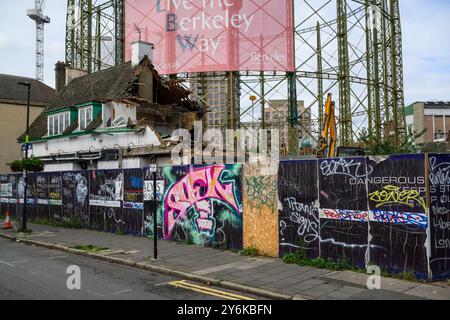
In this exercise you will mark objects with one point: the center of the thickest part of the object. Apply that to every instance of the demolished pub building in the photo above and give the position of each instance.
(118, 118)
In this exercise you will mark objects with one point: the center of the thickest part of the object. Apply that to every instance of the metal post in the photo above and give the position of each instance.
(263, 101)
(345, 111)
(386, 74)
(319, 77)
(292, 95)
(398, 101)
(369, 62)
(377, 84)
(89, 37)
(98, 42)
(25, 172)
(155, 218)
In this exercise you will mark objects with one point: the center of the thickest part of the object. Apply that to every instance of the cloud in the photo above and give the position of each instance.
(18, 38)
(426, 49)
(5, 41)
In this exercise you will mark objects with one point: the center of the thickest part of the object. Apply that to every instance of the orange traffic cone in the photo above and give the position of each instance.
(8, 224)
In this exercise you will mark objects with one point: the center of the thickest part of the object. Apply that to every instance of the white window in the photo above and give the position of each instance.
(58, 123)
(120, 122)
(85, 117)
(51, 131)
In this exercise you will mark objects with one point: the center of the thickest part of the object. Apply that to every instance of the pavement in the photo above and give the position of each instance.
(259, 276)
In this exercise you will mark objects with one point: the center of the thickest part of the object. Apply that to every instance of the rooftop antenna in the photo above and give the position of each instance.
(37, 15)
(138, 30)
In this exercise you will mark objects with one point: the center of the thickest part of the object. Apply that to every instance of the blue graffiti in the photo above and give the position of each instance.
(417, 219)
(137, 183)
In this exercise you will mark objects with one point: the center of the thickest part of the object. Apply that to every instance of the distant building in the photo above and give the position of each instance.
(122, 117)
(277, 117)
(13, 113)
(434, 117)
(214, 91)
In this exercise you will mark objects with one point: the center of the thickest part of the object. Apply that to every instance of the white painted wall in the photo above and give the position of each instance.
(55, 167)
(132, 163)
(437, 112)
(95, 143)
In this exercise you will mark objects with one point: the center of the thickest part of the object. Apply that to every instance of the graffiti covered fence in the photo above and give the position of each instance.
(369, 211)
(196, 204)
(299, 208)
(439, 177)
(392, 212)
(398, 213)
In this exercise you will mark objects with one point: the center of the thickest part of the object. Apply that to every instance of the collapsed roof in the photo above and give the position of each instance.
(119, 83)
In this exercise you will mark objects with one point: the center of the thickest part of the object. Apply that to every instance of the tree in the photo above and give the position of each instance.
(31, 165)
(385, 146)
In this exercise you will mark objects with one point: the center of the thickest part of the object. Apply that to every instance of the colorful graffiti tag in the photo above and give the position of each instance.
(398, 218)
(395, 195)
(205, 203)
(344, 215)
(398, 214)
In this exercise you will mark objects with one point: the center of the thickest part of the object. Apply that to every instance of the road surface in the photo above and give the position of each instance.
(34, 273)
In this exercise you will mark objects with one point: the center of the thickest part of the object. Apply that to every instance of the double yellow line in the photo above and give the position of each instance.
(208, 291)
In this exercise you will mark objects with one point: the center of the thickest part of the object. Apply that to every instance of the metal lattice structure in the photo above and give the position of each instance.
(94, 34)
(350, 48)
(38, 16)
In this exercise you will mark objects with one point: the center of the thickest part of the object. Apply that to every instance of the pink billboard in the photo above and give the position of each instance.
(213, 35)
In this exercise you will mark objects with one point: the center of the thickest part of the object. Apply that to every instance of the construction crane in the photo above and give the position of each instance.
(37, 15)
(327, 141)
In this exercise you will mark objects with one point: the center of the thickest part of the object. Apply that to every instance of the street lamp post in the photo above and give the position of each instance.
(253, 99)
(25, 172)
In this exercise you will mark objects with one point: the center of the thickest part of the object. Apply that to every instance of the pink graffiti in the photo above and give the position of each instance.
(194, 188)
(345, 215)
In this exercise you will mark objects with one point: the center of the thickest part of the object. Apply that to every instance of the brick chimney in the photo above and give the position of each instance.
(60, 76)
(72, 74)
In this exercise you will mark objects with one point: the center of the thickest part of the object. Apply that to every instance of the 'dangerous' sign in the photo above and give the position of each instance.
(213, 35)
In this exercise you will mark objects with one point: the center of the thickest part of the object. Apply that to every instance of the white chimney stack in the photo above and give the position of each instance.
(139, 50)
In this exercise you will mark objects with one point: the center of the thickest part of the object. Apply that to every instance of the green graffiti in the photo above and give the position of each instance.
(228, 216)
(235, 169)
(261, 190)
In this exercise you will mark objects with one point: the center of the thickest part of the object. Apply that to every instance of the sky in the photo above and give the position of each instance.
(426, 44)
